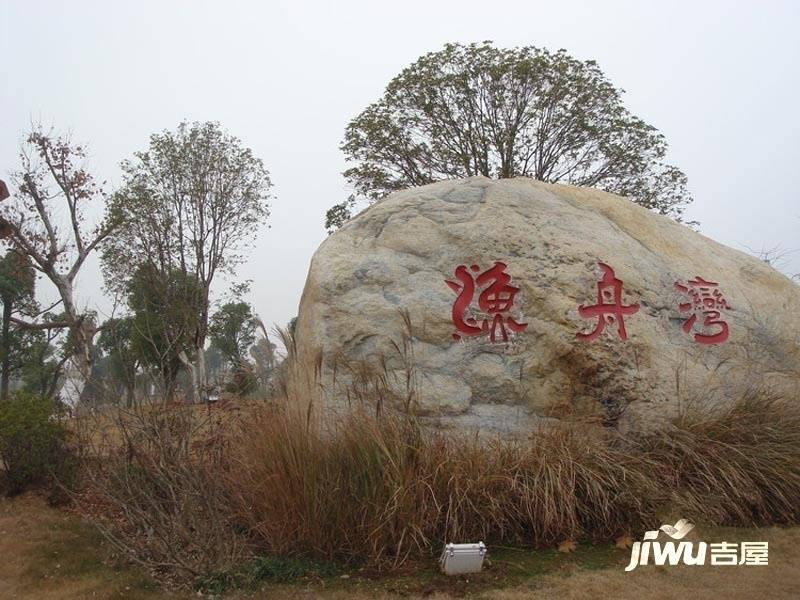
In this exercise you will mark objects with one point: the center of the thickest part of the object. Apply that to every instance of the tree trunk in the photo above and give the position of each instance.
(5, 377)
(168, 378)
(83, 362)
(82, 331)
(200, 362)
(193, 374)
(200, 355)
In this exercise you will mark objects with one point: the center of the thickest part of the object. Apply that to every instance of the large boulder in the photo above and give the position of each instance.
(704, 323)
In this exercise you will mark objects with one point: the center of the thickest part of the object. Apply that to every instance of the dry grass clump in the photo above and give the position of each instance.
(563, 483)
(740, 466)
(379, 489)
(301, 490)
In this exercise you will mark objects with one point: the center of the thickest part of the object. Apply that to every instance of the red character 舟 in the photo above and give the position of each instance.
(609, 307)
(705, 298)
(496, 298)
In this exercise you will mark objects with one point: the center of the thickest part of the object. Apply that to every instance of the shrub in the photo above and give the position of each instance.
(159, 479)
(33, 445)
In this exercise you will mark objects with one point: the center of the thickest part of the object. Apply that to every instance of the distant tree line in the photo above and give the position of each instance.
(185, 214)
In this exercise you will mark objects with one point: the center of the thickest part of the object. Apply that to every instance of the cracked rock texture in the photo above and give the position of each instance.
(396, 255)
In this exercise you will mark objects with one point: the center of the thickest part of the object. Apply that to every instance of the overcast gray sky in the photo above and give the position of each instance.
(720, 80)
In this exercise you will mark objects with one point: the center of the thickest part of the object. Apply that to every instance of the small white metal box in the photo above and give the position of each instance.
(457, 559)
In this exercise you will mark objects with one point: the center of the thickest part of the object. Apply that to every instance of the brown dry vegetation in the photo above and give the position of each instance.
(381, 490)
(196, 496)
(232, 496)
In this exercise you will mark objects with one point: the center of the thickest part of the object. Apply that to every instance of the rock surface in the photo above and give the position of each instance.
(396, 256)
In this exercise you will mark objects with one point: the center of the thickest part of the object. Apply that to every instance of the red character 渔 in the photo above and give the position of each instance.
(705, 298)
(609, 307)
(495, 299)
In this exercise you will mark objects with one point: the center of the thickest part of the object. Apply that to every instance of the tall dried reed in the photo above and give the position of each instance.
(380, 488)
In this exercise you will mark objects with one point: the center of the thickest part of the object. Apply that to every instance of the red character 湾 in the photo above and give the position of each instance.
(495, 299)
(705, 298)
(609, 307)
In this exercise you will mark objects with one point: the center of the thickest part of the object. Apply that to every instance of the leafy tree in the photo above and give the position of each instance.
(54, 187)
(121, 359)
(191, 203)
(232, 331)
(481, 110)
(338, 214)
(17, 280)
(215, 366)
(243, 380)
(42, 364)
(264, 358)
(165, 312)
(27, 351)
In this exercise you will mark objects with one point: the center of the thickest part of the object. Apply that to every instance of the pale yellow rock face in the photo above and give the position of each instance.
(396, 255)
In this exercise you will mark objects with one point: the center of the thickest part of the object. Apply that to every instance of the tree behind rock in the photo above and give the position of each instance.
(520, 112)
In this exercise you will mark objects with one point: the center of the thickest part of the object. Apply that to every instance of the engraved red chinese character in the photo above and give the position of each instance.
(609, 307)
(496, 298)
(704, 298)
